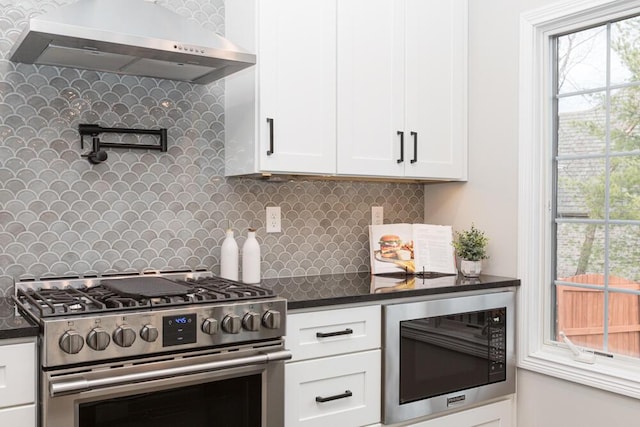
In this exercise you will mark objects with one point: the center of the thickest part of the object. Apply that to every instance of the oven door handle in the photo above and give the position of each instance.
(83, 384)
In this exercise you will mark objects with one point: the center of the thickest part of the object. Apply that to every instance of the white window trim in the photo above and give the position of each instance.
(620, 375)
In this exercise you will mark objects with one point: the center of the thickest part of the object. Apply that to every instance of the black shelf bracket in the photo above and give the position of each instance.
(98, 155)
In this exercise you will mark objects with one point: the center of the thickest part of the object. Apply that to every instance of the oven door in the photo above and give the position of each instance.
(446, 353)
(239, 387)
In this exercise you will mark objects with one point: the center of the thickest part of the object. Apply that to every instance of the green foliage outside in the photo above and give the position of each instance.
(623, 175)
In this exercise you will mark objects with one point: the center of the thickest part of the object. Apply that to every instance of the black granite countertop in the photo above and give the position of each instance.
(13, 325)
(351, 288)
(316, 292)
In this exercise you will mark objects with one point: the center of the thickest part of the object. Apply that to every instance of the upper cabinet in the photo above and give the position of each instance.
(280, 115)
(363, 88)
(402, 88)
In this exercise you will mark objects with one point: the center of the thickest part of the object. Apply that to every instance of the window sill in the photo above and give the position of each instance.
(617, 376)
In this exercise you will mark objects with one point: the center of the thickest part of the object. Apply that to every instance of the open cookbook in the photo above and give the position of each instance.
(411, 248)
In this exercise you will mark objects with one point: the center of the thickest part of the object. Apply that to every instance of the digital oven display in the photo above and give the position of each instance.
(178, 330)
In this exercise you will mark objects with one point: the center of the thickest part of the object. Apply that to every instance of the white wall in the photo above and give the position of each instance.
(489, 200)
(551, 402)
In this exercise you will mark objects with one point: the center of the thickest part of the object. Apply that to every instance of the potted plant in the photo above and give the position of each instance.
(471, 248)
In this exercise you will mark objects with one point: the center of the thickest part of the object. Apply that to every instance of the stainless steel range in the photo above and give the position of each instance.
(182, 347)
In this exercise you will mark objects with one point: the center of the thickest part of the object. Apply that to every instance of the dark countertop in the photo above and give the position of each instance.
(351, 288)
(316, 292)
(14, 325)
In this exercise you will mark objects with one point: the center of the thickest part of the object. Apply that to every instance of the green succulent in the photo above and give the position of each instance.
(471, 244)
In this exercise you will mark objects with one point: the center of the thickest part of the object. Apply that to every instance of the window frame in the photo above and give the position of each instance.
(535, 350)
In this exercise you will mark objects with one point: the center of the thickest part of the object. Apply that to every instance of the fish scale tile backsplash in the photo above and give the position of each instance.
(141, 210)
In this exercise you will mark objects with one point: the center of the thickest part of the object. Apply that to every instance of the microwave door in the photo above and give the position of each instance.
(444, 354)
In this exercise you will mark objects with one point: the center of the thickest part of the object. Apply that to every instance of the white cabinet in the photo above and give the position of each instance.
(497, 414)
(402, 88)
(334, 375)
(366, 88)
(280, 115)
(341, 390)
(370, 88)
(17, 383)
(22, 416)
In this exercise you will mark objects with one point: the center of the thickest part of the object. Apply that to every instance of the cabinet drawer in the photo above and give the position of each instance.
(17, 374)
(352, 380)
(332, 332)
(498, 414)
(21, 416)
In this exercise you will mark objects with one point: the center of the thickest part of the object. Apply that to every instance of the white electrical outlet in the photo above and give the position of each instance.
(377, 217)
(273, 219)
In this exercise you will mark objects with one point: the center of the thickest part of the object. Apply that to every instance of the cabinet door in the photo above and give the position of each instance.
(17, 374)
(297, 57)
(370, 87)
(333, 391)
(498, 414)
(436, 86)
(19, 416)
(331, 332)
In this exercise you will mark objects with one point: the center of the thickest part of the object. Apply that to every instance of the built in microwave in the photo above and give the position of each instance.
(446, 353)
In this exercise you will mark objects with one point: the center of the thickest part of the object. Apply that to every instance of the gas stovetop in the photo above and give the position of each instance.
(84, 320)
(80, 297)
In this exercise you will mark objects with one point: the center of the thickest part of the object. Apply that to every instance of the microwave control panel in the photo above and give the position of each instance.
(497, 335)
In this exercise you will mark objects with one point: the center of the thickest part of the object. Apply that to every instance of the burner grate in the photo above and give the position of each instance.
(51, 302)
(216, 288)
(67, 300)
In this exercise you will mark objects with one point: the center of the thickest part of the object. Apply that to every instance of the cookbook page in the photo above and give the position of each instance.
(391, 248)
(433, 249)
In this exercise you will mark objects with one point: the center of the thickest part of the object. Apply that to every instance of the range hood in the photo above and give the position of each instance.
(136, 37)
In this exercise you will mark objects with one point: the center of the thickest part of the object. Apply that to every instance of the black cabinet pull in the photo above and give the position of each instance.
(346, 393)
(333, 334)
(401, 159)
(415, 147)
(270, 150)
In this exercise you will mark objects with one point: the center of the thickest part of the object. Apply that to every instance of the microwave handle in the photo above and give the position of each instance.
(76, 386)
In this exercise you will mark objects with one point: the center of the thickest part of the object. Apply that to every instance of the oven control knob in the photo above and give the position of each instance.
(124, 336)
(71, 342)
(231, 323)
(251, 321)
(271, 319)
(98, 339)
(210, 326)
(149, 333)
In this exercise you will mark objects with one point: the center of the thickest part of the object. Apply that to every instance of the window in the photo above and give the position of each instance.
(596, 228)
(579, 195)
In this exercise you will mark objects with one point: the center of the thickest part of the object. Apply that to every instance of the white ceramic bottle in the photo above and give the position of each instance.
(251, 259)
(229, 257)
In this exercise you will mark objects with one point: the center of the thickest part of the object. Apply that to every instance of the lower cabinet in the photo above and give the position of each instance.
(334, 377)
(20, 416)
(334, 391)
(18, 383)
(496, 414)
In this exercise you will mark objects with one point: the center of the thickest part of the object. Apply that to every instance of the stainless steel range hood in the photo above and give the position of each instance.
(136, 37)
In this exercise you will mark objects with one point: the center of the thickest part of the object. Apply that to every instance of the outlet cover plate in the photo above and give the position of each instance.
(377, 215)
(273, 223)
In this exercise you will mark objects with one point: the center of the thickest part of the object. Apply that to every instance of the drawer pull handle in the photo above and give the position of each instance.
(270, 150)
(415, 147)
(321, 399)
(334, 334)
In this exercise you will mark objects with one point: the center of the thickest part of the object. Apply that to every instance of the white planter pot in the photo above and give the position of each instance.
(470, 268)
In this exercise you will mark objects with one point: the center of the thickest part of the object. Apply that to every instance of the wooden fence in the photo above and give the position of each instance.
(580, 314)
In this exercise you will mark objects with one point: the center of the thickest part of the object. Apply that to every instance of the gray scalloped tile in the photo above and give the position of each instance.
(143, 210)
